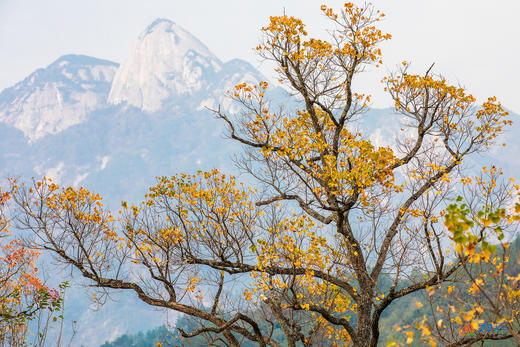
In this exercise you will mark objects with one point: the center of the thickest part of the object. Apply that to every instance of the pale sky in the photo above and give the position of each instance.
(475, 43)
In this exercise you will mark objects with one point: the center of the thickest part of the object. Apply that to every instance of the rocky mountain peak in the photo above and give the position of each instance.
(54, 98)
(165, 61)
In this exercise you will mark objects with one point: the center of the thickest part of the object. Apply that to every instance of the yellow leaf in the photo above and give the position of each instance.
(476, 323)
(419, 304)
(469, 315)
(409, 340)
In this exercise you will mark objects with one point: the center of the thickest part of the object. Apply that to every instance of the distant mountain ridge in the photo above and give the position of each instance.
(76, 114)
(167, 69)
(52, 99)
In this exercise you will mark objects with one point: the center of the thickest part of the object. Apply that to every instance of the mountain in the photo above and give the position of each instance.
(166, 62)
(167, 66)
(88, 121)
(53, 99)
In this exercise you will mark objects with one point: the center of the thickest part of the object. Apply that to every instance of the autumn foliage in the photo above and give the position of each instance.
(336, 227)
(22, 293)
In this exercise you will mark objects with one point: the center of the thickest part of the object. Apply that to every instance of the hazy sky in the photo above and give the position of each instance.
(473, 42)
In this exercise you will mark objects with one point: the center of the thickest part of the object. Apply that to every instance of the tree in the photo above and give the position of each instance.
(23, 297)
(484, 299)
(337, 229)
(480, 300)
